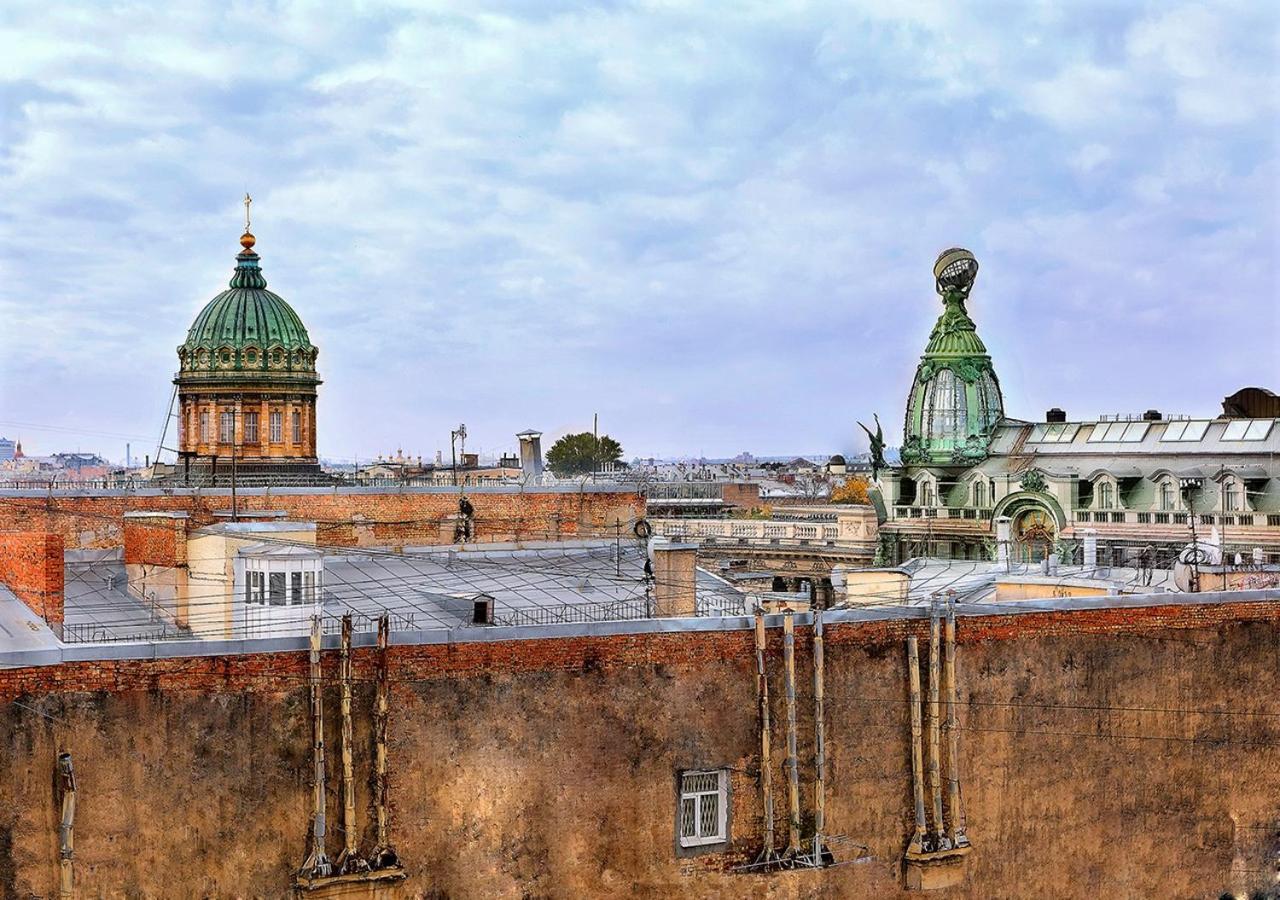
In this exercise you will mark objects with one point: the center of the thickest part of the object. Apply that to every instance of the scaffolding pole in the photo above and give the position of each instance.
(349, 861)
(957, 830)
(793, 769)
(819, 743)
(917, 755)
(766, 755)
(383, 855)
(317, 863)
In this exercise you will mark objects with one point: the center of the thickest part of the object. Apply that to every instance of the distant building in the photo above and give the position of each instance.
(8, 449)
(1138, 486)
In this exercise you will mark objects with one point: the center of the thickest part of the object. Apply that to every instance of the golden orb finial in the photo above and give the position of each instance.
(247, 240)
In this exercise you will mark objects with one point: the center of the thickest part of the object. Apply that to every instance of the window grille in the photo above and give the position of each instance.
(227, 427)
(251, 428)
(277, 427)
(703, 818)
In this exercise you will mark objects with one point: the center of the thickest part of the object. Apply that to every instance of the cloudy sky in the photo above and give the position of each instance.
(713, 224)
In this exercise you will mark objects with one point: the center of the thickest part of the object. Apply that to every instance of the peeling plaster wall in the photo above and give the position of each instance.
(546, 768)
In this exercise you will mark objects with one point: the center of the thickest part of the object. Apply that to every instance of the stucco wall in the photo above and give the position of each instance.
(547, 768)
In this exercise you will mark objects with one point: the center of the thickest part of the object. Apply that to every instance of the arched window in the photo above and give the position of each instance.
(1231, 495)
(1168, 497)
(1106, 495)
(945, 409)
(926, 493)
(980, 494)
(989, 402)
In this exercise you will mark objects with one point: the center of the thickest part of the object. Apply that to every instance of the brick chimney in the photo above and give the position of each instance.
(31, 566)
(675, 570)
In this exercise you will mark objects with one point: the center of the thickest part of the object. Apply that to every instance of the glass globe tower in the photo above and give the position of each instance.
(955, 400)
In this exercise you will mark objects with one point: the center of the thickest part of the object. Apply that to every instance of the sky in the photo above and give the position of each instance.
(712, 224)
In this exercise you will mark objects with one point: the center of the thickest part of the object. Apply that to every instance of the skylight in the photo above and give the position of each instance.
(1185, 430)
(1247, 429)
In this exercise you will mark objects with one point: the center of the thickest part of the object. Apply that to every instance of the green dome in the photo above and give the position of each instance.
(955, 400)
(248, 329)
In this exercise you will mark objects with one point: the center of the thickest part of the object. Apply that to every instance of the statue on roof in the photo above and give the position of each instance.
(877, 448)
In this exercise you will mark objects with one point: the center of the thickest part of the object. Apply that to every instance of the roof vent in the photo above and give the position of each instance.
(1152, 415)
(1055, 415)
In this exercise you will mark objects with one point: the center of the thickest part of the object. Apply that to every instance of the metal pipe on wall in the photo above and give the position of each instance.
(66, 828)
(349, 860)
(935, 722)
(766, 755)
(793, 771)
(383, 855)
(819, 741)
(317, 864)
(957, 829)
(917, 754)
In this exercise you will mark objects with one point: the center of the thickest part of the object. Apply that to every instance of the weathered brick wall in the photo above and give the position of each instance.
(31, 567)
(1129, 753)
(155, 541)
(349, 517)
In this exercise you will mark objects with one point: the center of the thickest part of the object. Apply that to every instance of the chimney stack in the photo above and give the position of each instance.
(675, 570)
(1055, 415)
(530, 452)
(1152, 415)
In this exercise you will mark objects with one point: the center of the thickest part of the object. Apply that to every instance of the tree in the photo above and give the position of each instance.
(852, 491)
(582, 454)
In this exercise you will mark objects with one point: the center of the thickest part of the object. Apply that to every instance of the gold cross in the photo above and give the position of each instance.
(247, 200)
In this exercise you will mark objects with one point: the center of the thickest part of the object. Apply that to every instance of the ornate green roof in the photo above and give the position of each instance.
(247, 329)
(955, 400)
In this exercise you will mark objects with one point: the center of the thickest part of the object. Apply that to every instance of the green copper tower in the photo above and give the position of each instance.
(955, 400)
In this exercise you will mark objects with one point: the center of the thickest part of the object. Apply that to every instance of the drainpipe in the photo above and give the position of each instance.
(935, 750)
(349, 860)
(766, 756)
(383, 855)
(917, 755)
(793, 772)
(66, 830)
(819, 742)
(317, 863)
(957, 831)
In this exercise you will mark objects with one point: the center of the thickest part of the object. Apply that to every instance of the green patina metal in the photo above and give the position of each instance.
(955, 401)
(248, 329)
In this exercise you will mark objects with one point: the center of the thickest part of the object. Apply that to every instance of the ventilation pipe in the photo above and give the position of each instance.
(766, 755)
(793, 771)
(349, 861)
(383, 855)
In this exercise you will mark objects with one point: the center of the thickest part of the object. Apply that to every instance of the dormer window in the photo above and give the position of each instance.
(1106, 495)
(980, 493)
(1168, 496)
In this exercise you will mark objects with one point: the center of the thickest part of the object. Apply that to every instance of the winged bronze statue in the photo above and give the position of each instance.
(877, 448)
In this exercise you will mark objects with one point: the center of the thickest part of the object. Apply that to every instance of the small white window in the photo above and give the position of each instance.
(703, 812)
(227, 427)
(204, 426)
(277, 432)
(251, 428)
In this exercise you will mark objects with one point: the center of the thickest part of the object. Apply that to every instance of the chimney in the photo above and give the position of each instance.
(531, 452)
(675, 570)
(1055, 415)
(1152, 415)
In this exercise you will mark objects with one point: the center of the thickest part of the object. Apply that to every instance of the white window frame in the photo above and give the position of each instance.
(276, 422)
(296, 425)
(694, 796)
(251, 427)
(227, 426)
